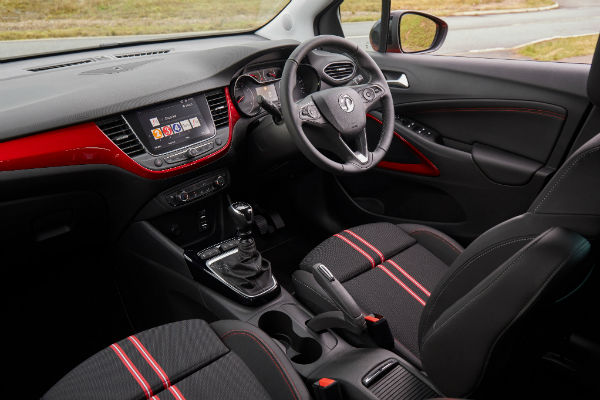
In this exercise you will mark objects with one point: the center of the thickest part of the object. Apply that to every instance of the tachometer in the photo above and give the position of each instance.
(244, 93)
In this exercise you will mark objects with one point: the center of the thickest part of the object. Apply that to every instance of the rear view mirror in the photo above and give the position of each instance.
(411, 32)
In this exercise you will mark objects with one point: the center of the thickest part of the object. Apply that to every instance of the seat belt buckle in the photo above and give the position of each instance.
(327, 389)
(379, 330)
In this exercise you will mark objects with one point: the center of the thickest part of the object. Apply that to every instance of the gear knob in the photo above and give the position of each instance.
(242, 215)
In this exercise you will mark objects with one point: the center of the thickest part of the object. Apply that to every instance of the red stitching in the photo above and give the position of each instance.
(439, 237)
(545, 113)
(270, 353)
(355, 247)
(369, 245)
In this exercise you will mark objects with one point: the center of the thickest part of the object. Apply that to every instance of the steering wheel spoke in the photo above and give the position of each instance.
(354, 151)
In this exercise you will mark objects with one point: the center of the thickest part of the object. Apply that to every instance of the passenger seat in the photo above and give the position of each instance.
(186, 360)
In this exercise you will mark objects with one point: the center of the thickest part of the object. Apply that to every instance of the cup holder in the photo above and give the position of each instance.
(301, 350)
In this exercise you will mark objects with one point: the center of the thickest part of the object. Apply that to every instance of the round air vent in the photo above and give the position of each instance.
(340, 70)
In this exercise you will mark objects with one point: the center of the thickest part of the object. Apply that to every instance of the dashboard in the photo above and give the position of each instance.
(156, 113)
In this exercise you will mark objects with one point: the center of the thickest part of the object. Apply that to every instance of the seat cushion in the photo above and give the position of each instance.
(388, 269)
(184, 360)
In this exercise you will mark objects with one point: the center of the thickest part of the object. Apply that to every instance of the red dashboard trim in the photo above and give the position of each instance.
(86, 144)
(425, 167)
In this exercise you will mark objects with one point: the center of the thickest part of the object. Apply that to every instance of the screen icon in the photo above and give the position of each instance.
(167, 130)
(176, 127)
(195, 123)
(154, 122)
(157, 134)
(186, 125)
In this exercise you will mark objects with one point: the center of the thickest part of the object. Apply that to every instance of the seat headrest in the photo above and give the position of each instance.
(593, 84)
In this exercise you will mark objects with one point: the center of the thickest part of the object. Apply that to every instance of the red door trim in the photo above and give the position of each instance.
(425, 167)
(86, 144)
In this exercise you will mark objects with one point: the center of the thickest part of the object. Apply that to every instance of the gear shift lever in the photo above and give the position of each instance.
(243, 217)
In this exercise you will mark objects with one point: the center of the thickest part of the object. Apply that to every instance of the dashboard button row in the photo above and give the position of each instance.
(192, 152)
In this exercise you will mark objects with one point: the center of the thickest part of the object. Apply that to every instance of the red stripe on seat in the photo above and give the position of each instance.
(369, 245)
(410, 278)
(355, 247)
(156, 367)
(402, 284)
(151, 361)
(133, 371)
(176, 392)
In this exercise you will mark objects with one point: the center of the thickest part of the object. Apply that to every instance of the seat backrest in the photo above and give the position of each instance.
(571, 200)
(472, 335)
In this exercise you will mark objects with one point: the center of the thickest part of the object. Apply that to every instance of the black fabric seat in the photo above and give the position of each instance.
(186, 360)
(383, 266)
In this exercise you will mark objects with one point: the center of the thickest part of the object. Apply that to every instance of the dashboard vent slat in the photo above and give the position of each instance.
(217, 102)
(119, 132)
(340, 71)
(143, 53)
(61, 65)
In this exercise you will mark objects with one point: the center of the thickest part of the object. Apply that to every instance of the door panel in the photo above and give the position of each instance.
(495, 130)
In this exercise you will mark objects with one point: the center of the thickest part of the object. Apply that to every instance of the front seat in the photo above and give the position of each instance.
(186, 360)
(415, 275)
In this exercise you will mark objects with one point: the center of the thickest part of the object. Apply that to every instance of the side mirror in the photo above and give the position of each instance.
(410, 32)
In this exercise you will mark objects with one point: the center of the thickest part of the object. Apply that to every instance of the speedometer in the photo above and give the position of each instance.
(244, 93)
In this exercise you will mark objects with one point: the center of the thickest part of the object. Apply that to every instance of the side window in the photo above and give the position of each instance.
(539, 30)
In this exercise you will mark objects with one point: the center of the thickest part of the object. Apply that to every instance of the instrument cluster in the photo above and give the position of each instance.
(265, 82)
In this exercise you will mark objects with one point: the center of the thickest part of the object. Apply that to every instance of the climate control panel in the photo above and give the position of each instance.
(197, 189)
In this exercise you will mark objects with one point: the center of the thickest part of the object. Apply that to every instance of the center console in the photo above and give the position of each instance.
(235, 267)
(224, 272)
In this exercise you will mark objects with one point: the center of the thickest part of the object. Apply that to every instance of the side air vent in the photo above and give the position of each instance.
(143, 53)
(340, 71)
(118, 130)
(62, 65)
(218, 107)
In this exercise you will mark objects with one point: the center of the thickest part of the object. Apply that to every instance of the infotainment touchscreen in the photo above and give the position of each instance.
(174, 125)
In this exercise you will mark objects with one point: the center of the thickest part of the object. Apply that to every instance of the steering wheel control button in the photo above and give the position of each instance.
(368, 94)
(309, 112)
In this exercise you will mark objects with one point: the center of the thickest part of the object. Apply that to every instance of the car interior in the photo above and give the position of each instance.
(282, 214)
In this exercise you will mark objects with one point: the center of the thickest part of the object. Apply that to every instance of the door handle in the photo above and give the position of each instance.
(402, 81)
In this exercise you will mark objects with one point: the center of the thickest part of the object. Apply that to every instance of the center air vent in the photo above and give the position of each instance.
(118, 130)
(340, 71)
(143, 53)
(217, 102)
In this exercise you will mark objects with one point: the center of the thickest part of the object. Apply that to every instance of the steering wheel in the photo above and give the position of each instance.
(337, 117)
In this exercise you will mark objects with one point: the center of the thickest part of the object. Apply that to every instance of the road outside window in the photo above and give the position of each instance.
(542, 30)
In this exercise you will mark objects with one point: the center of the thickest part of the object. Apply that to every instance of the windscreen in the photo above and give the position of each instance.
(40, 26)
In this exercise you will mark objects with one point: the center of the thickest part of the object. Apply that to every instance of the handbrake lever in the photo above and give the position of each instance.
(348, 317)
